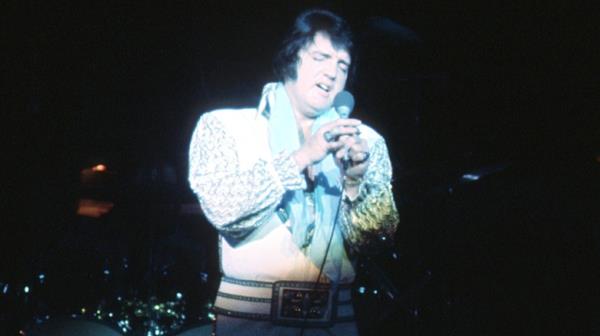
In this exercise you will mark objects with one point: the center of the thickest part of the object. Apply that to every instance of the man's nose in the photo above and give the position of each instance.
(331, 70)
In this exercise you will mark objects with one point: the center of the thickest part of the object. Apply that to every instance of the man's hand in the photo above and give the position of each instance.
(353, 158)
(317, 146)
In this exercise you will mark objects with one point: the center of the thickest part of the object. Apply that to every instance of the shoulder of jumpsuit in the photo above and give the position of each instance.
(233, 118)
(248, 130)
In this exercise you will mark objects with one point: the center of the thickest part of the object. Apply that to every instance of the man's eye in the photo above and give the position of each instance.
(318, 57)
(344, 68)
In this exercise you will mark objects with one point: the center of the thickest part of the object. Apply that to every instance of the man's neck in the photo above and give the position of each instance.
(304, 123)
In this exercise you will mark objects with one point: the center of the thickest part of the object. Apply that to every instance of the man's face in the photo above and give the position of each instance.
(321, 75)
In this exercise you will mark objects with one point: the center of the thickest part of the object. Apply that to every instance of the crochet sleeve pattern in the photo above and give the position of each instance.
(236, 200)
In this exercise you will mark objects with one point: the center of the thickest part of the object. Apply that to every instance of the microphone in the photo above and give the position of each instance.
(343, 104)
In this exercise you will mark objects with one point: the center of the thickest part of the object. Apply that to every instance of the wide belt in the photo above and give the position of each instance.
(292, 303)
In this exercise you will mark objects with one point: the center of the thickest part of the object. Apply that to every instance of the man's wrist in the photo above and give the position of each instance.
(288, 172)
(351, 187)
(301, 159)
(352, 181)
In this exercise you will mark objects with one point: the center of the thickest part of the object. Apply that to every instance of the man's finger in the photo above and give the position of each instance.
(360, 156)
(341, 152)
(335, 146)
(338, 132)
(357, 169)
(344, 122)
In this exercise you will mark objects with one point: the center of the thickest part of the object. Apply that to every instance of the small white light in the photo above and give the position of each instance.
(179, 295)
(470, 177)
(361, 290)
(26, 289)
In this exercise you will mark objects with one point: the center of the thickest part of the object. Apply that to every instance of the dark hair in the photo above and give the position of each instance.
(306, 26)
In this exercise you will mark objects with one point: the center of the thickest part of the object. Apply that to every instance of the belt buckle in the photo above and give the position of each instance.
(306, 304)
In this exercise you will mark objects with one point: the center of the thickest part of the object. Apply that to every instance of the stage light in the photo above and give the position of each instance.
(93, 208)
(99, 168)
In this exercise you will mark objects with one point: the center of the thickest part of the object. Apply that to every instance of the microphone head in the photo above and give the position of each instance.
(344, 103)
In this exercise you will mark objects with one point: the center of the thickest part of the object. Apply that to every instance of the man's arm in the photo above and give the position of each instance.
(370, 219)
(235, 200)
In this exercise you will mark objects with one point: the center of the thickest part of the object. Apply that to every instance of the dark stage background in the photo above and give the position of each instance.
(488, 112)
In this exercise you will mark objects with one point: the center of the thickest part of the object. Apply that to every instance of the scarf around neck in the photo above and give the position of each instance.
(283, 136)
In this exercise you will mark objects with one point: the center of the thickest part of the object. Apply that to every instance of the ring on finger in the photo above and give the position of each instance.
(328, 136)
(365, 156)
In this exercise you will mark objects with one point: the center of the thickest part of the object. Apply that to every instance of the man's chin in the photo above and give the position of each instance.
(322, 109)
(323, 106)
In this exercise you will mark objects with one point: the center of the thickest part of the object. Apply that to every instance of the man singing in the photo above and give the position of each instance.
(295, 192)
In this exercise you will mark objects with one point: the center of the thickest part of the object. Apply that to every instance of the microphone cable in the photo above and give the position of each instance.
(344, 104)
(337, 214)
